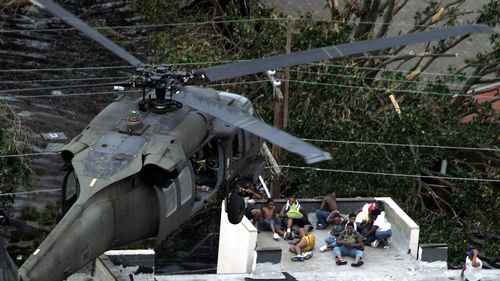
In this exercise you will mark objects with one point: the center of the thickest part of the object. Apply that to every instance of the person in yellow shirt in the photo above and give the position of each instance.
(303, 246)
(294, 214)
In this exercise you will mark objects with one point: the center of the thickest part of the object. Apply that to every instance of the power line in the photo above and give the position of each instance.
(232, 84)
(66, 68)
(384, 174)
(30, 192)
(395, 70)
(378, 78)
(56, 88)
(403, 145)
(229, 61)
(377, 89)
(28, 154)
(68, 95)
(62, 80)
(112, 67)
(118, 92)
(309, 169)
(316, 140)
(196, 23)
(428, 82)
(124, 77)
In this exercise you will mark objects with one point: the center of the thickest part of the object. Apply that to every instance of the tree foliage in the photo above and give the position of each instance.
(348, 100)
(14, 140)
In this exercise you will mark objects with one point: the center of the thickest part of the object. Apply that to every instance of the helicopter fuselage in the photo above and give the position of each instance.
(133, 174)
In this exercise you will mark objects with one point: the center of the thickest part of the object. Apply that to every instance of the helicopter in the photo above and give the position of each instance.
(132, 172)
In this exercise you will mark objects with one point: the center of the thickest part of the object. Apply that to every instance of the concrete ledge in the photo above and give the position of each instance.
(144, 258)
(269, 254)
(405, 232)
(236, 245)
(433, 252)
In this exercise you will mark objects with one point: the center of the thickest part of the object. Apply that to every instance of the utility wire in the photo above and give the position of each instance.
(309, 169)
(57, 87)
(118, 92)
(68, 95)
(234, 61)
(196, 23)
(66, 68)
(296, 71)
(62, 80)
(112, 67)
(238, 83)
(319, 140)
(377, 78)
(394, 70)
(30, 192)
(27, 154)
(403, 145)
(384, 174)
(378, 89)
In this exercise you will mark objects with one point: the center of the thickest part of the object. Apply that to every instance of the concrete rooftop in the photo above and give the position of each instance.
(379, 264)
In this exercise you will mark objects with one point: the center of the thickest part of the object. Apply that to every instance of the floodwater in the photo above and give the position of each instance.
(40, 51)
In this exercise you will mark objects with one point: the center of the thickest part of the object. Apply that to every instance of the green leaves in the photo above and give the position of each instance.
(14, 171)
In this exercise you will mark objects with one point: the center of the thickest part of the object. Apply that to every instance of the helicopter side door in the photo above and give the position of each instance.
(176, 197)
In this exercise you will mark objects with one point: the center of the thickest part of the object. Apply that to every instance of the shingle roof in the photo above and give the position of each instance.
(402, 22)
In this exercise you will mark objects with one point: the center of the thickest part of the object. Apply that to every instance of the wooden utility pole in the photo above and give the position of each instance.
(286, 77)
(281, 113)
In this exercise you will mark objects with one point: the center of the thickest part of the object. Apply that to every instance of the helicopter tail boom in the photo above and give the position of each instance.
(117, 215)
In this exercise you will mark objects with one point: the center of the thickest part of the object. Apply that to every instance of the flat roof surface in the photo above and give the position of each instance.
(379, 264)
(374, 258)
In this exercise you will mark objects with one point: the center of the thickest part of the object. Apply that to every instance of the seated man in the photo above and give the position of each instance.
(303, 246)
(380, 231)
(338, 225)
(251, 212)
(293, 214)
(328, 206)
(349, 243)
(271, 221)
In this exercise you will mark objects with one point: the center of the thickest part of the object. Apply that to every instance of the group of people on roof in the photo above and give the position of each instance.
(348, 235)
(367, 226)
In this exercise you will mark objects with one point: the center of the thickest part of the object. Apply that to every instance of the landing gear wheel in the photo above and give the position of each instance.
(235, 208)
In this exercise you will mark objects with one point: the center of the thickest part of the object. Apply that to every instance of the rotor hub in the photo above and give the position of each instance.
(162, 79)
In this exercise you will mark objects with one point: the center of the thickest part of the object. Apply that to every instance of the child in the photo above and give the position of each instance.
(270, 222)
(473, 265)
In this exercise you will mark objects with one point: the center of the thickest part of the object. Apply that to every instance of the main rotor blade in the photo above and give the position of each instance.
(233, 70)
(72, 20)
(200, 101)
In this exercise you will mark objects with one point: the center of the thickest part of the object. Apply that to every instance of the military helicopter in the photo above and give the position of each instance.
(132, 172)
